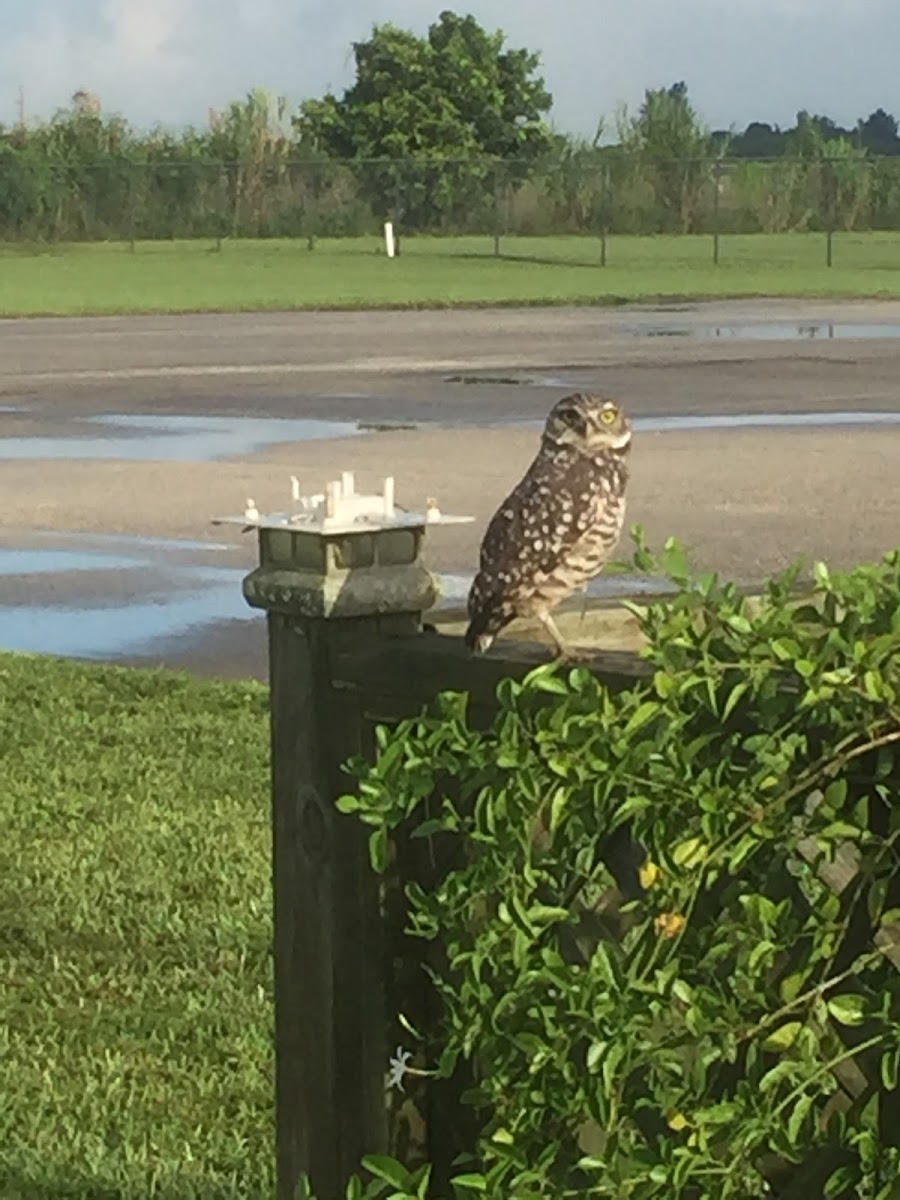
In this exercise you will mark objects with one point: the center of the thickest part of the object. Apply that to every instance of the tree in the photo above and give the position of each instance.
(252, 137)
(812, 133)
(759, 140)
(455, 94)
(837, 176)
(675, 149)
(878, 133)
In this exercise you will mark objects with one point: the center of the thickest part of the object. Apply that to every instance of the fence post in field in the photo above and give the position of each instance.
(717, 196)
(498, 217)
(341, 566)
(606, 212)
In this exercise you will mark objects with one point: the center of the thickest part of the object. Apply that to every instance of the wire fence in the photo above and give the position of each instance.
(594, 194)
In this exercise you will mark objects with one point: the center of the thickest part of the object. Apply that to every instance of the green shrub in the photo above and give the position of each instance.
(696, 1030)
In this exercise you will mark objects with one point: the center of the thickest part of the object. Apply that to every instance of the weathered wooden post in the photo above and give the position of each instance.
(339, 566)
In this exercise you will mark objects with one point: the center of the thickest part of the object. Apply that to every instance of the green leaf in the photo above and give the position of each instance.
(790, 987)
(739, 623)
(683, 992)
(785, 649)
(640, 717)
(786, 1069)
(387, 1169)
(474, 1183)
(890, 1068)
(423, 1191)
(558, 807)
(841, 829)
(591, 1162)
(783, 1037)
(764, 950)
(547, 914)
(594, 1054)
(546, 679)
(674, 560)
(821, 575)
(873, 685)
(739, 690)
(348, 804)
(842, 1182)
(848, 1008)
(798, 1117)
(602, 963)
(663, 684)
(835, 795)
(690, 854)
(378, 849)
(519, 914)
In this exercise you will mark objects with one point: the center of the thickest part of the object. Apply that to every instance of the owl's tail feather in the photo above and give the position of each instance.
(484, 626)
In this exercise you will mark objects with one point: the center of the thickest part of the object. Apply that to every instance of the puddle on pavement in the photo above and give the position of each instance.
(42, 562)
(109, 596)
(203, 439)
(765, 421)
(687, 421)
(541, 381)
(172, 438)
(455, 588)
(135, 628)
(770, 331)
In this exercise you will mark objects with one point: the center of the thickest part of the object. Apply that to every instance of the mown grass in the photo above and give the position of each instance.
(135, 1010)
(431, 272)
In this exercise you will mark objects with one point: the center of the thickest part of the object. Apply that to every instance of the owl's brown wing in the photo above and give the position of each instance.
(535, 528)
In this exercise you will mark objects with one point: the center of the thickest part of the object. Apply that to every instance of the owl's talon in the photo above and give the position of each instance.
(575, 654)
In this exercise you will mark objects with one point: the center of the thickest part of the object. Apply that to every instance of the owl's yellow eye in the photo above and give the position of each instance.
(608, 416)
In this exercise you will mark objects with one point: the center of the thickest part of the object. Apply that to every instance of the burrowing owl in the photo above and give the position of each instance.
(558, 527)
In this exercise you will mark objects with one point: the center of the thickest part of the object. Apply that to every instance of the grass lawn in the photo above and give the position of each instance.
(135, 1012)
(354, 273)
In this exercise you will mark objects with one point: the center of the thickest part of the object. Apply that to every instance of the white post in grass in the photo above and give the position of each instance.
(389, 244)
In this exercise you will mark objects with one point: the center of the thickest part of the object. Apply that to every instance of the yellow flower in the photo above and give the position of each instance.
(649, 873)
(669, 925)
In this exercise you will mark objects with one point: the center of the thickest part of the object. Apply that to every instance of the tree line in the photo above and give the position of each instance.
(446, 132)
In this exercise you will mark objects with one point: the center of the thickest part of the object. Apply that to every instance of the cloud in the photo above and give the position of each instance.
(171, 60)
(142, 32)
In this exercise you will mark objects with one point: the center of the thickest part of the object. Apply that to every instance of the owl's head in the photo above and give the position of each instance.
(590, 424)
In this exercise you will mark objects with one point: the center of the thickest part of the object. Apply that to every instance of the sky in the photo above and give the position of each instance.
(170, 61)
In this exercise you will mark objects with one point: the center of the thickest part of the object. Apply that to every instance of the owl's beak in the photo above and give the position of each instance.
(622, 440)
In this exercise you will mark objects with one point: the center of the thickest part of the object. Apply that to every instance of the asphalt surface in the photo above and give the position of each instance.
(746, 500)
(395, 365)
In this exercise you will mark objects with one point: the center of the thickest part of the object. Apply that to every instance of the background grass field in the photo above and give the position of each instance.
(354, 272)
(135, 1012)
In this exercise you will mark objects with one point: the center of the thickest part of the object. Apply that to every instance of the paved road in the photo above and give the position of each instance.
(394, 365)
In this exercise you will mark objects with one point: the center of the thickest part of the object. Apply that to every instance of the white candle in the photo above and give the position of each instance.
(389, 497)
(295, 487)
(348, 483)
(332, 498)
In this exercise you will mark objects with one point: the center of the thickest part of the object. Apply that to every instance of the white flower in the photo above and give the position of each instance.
(399, 1069)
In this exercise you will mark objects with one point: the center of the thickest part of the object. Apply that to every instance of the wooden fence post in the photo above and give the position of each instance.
(321, 590)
